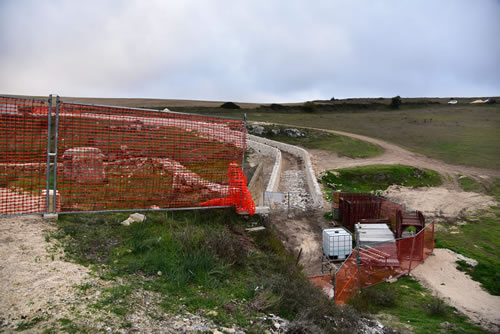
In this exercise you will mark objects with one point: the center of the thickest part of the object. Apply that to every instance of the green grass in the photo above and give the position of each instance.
(461, 134)
(379, 177)
(28, 324)
(314, 139)
(469, 184)
(198, 261)
(412, 305)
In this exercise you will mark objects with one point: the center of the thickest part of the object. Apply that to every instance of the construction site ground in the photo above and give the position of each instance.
(302, 228)
(33, 280)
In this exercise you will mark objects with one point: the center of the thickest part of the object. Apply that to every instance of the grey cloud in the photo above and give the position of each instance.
(250, 51)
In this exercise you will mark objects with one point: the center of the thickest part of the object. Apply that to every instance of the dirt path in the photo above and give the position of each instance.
(394, 154)
(440, 274)
(447, 201)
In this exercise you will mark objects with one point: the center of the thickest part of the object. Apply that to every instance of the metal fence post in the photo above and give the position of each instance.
(411, 254)
(56, 136)
(243, 158)
(358, 257)
(47, 173)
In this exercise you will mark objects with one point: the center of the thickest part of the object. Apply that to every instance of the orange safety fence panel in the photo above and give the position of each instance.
(115, 158)
(23, 156)
(383, 262)
(112, 158)
(347, 280)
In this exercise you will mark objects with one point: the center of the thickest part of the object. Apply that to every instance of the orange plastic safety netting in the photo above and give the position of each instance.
(23, 156)
(377, 264)
(238, 195)
(114, 158)
(123, 158)
(383, 262)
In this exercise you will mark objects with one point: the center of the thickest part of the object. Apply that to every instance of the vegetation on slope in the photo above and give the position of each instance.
(406, 305)
(199, 261)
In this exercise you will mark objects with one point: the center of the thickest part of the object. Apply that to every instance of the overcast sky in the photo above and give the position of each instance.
(250, 50)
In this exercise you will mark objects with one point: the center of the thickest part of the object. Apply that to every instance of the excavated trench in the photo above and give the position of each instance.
(297, 221)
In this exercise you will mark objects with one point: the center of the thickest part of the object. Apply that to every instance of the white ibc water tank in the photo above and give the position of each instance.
(337, 243)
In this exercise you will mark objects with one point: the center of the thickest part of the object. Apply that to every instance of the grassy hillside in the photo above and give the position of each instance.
(314, 139)
(459, 134)
(202, 262)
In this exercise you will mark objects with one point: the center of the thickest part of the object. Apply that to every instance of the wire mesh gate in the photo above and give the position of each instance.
(67, 157)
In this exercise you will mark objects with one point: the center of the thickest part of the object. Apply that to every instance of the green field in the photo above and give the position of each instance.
(458, 134)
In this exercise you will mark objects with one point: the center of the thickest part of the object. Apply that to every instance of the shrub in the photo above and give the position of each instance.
(230, 105)
(309, 107)
(276, 106)
(396, 102)
(437, 307)
(382, 296)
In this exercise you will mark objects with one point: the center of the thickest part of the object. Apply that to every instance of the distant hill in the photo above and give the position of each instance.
(166, 103)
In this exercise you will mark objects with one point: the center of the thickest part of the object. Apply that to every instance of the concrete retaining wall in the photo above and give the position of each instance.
(312, 183)
(274, 179)
(256, 185)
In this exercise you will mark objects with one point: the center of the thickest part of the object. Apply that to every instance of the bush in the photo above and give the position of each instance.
(309, 107)
(276, 106)
(382, 296)
(230, 105)
(437, 307)
(396, 102)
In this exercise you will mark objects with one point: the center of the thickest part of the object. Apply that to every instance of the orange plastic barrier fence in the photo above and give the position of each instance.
(23, 156)
(382, 262)
(114, 158)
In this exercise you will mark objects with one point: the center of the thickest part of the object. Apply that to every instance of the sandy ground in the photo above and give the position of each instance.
(37, 287)
(439, 202)
(34, 279)
(439, 273)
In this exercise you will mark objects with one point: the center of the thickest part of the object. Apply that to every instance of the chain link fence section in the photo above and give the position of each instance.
(24, 136)
(114, 158)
